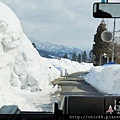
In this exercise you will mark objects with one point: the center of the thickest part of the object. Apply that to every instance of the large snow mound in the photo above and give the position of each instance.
(10, 39)
(105, 78)
(25, 76)
(20, 64)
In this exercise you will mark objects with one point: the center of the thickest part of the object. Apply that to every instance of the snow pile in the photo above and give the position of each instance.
(67, 66)
(25, 77)
(10, 39)
(20, 64)
(105, 78)
(31, 69)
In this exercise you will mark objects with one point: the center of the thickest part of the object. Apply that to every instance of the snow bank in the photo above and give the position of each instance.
(10, 39)
(20, 64)
(66, 66)
(31, 69)
(105, 78)
(24, 74)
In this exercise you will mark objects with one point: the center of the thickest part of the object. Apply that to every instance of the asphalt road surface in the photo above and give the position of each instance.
(75, 84)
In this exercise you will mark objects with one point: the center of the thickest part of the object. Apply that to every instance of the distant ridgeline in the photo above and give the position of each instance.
(49, 50)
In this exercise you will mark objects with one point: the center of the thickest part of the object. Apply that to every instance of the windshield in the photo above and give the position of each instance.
(51, 49)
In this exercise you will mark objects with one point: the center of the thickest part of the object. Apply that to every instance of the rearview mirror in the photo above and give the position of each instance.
(106, 10)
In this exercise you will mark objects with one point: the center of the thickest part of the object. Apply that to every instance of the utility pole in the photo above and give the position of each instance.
(113, 47)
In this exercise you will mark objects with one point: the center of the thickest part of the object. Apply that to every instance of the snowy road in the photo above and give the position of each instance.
(75, 84)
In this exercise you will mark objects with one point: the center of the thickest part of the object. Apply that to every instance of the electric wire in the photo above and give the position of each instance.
(53, 12)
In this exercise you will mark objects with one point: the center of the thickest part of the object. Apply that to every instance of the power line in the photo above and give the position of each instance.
(53, 12)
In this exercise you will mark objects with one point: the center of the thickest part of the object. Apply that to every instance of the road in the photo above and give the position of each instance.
(75, 84)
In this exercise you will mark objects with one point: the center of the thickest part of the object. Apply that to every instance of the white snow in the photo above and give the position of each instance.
(105, 78)
(67, 66)
(25, 76)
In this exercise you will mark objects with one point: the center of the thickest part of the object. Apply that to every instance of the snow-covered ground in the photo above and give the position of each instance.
(105, 78)
(25, 76)
(67, 66)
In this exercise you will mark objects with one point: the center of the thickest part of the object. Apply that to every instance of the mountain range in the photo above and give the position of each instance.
(50, 50)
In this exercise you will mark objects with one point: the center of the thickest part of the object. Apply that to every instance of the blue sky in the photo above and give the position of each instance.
(64, 22)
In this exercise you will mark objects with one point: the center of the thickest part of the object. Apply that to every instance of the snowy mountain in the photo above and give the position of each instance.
(48, 49)
(49, 46)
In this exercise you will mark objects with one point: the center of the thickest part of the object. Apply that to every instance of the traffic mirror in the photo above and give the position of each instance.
(106, 36)
(106, 10)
